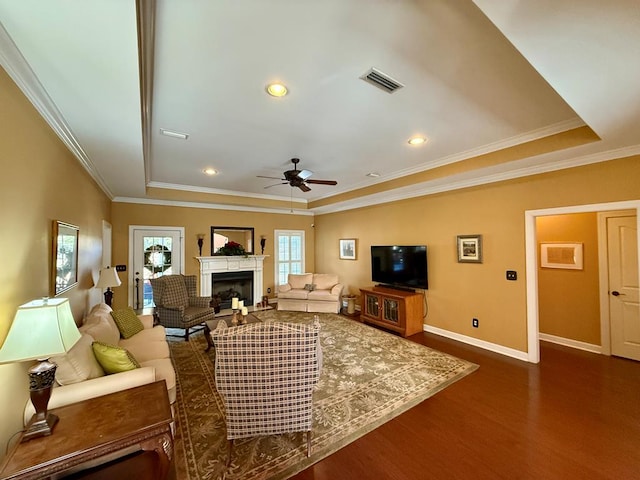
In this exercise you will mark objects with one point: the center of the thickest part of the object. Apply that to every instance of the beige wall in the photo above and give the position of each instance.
(40, 182)
(568, 300)
(200, 220)
(459, 292)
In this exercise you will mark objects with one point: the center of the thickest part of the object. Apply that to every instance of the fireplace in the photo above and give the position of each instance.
(251, 265)
(232, 284)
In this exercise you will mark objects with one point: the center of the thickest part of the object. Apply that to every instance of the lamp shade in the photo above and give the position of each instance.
(40, 329)
(108, 278)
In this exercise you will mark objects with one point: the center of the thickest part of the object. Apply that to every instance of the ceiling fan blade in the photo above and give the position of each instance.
(276, 184)
(322, 182)
(304, 187)
(304, 174)
(272, 178)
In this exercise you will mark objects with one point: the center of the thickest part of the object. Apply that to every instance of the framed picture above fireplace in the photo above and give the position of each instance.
(220, 236)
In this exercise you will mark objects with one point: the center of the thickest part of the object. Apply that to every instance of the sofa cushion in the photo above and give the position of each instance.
(143, 350)
(164, 371)
(323, 295)
(101, 326)
(300, 280)
(295, 293)
(127, 321)
(325, 281)
(114, 359)
(78, 364)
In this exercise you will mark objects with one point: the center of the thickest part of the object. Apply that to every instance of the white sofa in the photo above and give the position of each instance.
(79, 376)
(311, 292)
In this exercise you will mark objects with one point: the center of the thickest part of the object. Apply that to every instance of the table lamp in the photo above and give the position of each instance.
(108, 278)
(41, 329)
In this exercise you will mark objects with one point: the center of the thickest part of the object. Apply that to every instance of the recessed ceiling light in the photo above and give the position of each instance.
(172, 134)
(277, 90)
(373, 174)
(210, 171)
(417, 140)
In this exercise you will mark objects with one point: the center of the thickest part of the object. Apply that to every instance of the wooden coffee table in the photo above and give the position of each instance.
(211, 325)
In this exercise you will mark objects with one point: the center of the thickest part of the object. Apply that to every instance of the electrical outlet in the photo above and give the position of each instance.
(121, 268)
(475, 323)
(512, 275)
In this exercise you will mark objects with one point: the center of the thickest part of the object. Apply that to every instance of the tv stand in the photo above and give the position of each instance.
(395, 287)
(396, 310)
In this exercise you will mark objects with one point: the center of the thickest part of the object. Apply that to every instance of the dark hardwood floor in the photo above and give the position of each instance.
(575, 415)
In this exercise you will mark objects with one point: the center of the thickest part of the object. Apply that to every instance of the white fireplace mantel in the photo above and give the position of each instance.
(223, 264)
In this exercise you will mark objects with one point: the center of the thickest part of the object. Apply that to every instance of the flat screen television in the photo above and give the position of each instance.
(400, 265)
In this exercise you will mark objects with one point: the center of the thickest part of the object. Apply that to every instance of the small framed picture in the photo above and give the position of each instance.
(469, 248)
(561, 255)
(347, 249)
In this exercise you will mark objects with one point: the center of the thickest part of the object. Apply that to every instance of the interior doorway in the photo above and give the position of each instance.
(620, 310)
(531, 249)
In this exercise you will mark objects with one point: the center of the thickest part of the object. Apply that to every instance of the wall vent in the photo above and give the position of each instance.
(381, 80)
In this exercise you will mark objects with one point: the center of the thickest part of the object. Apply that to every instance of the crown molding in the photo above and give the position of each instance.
(25, 78)
(474, 152)
(212, 206)
(475, 178)
(216, 191)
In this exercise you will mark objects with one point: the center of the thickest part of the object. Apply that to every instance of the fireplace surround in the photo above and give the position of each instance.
(232, 264)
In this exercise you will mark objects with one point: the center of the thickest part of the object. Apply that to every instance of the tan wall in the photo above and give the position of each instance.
(458, 292)
(200, 220)
(40, 182)
(568, 300)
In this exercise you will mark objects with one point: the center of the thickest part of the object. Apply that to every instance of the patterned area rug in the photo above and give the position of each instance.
(368, 377)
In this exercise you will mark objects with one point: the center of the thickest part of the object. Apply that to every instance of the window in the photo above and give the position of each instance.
(289, 254)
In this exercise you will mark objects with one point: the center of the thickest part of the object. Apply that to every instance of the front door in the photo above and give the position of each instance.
(624, 309)
(157, 251)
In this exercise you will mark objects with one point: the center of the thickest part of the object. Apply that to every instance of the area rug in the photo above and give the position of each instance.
(368, 377)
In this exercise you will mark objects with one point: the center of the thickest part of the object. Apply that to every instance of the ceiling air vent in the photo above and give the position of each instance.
(381, 80)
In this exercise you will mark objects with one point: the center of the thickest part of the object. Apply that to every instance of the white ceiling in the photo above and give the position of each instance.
(479, 76)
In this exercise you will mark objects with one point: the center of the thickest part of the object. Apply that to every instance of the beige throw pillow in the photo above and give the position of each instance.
(78, 364)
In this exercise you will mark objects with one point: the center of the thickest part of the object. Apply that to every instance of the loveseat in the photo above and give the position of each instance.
(311, 292)
(80, 376)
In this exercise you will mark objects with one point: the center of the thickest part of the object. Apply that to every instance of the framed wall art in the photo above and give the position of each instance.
(64, 268)
(469, 248)
(347, 248)
(561, 255)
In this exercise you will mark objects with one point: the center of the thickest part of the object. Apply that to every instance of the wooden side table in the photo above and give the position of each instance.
(98, 436)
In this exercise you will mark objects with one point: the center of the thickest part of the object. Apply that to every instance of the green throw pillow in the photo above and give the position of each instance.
(127, 321)
(113, 359)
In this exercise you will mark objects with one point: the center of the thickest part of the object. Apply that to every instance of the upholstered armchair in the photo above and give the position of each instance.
(265, 374)
(177, 304)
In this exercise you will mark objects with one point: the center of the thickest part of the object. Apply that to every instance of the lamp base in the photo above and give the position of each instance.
(40, 427)
(41, 378)
(108, 296)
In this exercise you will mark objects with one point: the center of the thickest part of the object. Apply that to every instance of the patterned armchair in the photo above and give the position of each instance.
(265, 374)
(177, 305)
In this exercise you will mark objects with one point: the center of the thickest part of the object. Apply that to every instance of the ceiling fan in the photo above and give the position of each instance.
(298, 178)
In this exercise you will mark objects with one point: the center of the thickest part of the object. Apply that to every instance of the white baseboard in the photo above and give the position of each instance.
(493, 347)
(567, 342)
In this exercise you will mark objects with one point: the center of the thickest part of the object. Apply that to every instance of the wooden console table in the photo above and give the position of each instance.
(104, 437)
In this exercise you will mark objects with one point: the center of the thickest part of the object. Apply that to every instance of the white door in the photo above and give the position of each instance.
(624, 309)
(154, 252)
